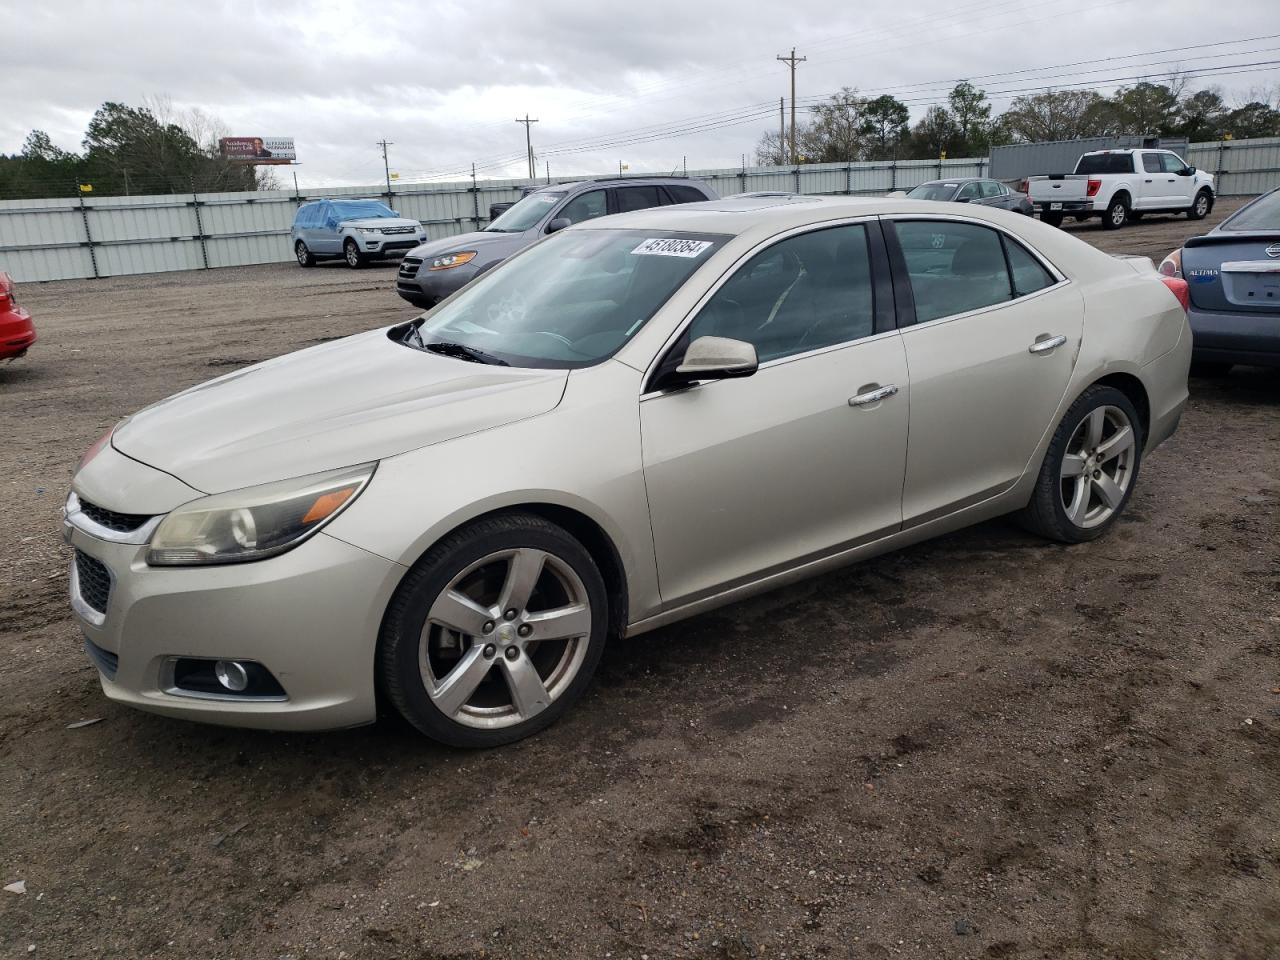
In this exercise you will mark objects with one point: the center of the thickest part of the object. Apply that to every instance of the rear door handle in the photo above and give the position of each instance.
(874, 395)
(1047, 344)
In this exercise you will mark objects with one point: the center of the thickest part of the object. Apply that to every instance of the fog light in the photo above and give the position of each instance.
(231, 675)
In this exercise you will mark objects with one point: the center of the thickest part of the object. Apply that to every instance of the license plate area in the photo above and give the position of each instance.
(1055, 206)
(1255, 285)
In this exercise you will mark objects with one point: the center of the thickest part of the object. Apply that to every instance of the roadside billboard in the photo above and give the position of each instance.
(258, 149)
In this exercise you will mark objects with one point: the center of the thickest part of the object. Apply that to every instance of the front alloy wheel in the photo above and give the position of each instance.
(495, 632)
(352, 253)
(1089, 469)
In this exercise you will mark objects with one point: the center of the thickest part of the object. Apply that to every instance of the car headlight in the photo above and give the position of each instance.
(256, 522)
(367, 229)
(451, 260)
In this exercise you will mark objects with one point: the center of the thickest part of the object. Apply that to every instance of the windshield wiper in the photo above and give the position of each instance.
(463, 352)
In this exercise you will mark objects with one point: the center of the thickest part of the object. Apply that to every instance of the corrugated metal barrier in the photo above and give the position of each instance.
(84, 236)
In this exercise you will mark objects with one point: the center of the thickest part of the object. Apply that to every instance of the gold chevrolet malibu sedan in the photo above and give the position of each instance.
(633, 421)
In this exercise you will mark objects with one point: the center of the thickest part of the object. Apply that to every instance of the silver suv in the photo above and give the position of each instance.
(354, 230)
(431, 272)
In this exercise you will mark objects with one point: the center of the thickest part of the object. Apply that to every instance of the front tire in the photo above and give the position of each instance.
(1201, 206)
(351, 253)
(1117, 213)
(494, 633)
(304, 256)
(1089, 470)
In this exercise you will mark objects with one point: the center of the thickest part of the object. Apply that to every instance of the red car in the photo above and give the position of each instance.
(17, 332)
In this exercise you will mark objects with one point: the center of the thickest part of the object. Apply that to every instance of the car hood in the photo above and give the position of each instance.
(503, 244)
(351, 401)
(380, 222)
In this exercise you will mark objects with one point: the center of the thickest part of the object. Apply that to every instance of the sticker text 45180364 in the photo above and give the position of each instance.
(660, 247)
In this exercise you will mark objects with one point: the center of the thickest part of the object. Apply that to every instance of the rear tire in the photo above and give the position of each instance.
(493, 679)
(351, 253)
(1201, 206)
(1117, 213)
(304, 256)
(1089, 470)
(1052, 219)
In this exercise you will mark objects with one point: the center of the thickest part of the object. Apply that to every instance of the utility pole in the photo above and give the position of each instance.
(782, 130)
(386, 166)
(528, 143)
(791, 61)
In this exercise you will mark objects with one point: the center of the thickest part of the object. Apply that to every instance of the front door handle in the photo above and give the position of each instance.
(1047, 344)
(874, 395)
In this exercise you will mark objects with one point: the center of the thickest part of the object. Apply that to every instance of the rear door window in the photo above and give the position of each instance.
(637, 198)
(953, 267)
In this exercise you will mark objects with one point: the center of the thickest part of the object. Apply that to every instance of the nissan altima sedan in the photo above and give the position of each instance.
(635, 420)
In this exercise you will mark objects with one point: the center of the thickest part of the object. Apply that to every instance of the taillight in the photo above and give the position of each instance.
(1092, 188)
(1171, 266)
(1180, 290)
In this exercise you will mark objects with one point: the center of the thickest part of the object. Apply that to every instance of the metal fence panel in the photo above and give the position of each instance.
(70, 237)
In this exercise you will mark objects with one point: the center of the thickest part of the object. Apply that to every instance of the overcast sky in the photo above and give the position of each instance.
(607, 82)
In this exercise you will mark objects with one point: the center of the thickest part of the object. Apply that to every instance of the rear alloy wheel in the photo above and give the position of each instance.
(305, 257)
(1089, 469)
(1117, 214)
(354, 258)
(1201, 206)
(494, 633)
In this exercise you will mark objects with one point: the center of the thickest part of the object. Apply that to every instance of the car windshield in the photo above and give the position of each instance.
(526, 212)
(362, 210)
(1105, 163)
(1262, 214)
(933, 191)
(569, 301)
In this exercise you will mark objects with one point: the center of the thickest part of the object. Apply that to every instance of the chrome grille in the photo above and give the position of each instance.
(399, 229)
(409, 267)
(94, 581)
(112, 520)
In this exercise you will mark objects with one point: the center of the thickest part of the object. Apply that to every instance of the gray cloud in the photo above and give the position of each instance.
(444, 81)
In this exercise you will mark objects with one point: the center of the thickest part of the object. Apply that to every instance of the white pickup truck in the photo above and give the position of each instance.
(1122, 185)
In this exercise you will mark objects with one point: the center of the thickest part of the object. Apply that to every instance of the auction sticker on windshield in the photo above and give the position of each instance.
(659, 247)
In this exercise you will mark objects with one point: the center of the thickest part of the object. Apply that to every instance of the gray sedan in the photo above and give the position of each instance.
(983, 193)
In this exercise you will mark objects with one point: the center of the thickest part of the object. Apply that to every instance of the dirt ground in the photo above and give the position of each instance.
(984, 746)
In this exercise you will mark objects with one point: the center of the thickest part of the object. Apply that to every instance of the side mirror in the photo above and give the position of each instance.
(718, 358)
(1189, 172)
(559, 223)
(963, 199)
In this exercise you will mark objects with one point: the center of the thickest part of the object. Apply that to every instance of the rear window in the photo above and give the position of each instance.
(1105, 163)
(1262, 214)
(682, 194)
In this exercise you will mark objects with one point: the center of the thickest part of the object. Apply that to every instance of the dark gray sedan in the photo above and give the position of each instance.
(984, 193)
(1233, 276)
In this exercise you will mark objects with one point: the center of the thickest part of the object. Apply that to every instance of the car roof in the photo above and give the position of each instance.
(630, 181)
(929, 183)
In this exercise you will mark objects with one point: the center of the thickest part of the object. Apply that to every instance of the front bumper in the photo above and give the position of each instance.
(309, 616)
(425, 288)
(1251, 338)
(395, 243)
